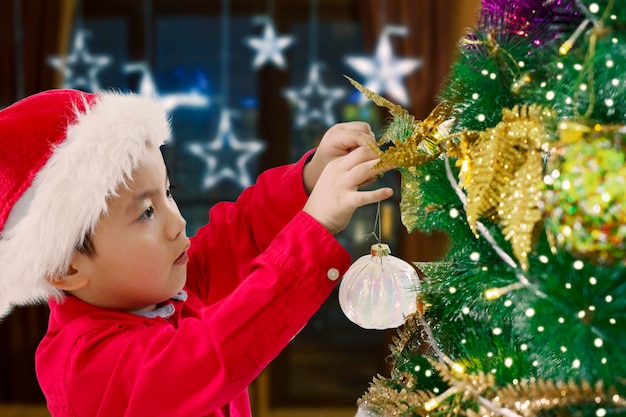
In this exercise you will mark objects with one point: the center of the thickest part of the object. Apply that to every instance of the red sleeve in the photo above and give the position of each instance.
(210, 358)
(238, 231)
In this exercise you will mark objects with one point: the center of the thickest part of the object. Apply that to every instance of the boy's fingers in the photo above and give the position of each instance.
(352, 142)
(356, 125)
(355, 134)
(359, 155)
(362, 171)
(368, 197)
(371, 179)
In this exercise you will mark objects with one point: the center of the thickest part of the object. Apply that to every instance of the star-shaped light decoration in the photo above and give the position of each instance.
(314, 101)
(226, 157)
(171, 101)
(383, 72)
(269, 48)
(80, 68)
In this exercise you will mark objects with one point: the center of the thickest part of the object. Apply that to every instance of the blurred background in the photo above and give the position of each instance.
(249, 84)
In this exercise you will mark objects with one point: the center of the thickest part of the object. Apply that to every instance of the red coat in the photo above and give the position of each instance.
(257, 272)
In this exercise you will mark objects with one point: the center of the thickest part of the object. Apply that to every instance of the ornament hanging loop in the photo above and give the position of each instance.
(380, 249)
(378, 223)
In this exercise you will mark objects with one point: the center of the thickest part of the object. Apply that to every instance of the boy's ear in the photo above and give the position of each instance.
(71, 281)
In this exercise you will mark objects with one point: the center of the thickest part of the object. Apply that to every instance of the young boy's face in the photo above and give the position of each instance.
(140, 245)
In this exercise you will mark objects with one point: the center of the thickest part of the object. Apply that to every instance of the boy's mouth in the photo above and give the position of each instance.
(182, 259)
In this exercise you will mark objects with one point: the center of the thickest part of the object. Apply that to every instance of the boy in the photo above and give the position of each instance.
(144, 321)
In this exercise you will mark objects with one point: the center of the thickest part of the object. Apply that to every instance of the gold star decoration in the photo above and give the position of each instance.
(413, 142)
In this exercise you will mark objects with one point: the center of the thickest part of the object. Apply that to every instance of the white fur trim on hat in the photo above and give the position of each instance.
(103, 145)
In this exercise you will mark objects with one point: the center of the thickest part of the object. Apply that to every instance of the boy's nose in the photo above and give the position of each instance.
(176, 224)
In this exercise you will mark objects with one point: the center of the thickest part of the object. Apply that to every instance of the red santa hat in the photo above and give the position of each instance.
(63, 153)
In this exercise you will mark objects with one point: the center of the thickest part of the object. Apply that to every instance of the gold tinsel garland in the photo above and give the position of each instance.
(473, 394)
(529, 398)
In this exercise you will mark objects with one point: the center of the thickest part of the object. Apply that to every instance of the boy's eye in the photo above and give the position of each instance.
(168, 191)
(147, 214)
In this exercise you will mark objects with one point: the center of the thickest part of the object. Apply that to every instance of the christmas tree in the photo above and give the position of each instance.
(522, 165)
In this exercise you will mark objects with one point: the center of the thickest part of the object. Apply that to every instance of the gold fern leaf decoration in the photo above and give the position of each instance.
(502, 172)
(520, 211)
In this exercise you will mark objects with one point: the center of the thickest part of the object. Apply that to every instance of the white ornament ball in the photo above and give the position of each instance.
(363, 412)
(379, 290)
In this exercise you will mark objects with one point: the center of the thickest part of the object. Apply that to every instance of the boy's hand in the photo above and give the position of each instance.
(338, 141)
(336, 194)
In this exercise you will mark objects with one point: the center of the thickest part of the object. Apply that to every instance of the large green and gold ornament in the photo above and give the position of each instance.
(585, 203)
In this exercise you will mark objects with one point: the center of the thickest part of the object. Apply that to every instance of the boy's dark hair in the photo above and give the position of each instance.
(87, 247)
